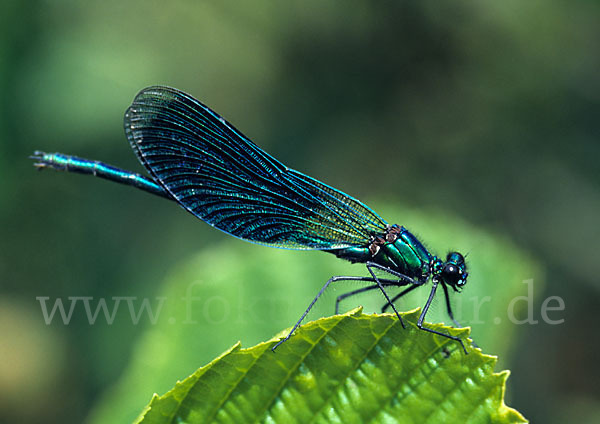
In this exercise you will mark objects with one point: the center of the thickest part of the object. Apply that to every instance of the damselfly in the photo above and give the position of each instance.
(202, 162)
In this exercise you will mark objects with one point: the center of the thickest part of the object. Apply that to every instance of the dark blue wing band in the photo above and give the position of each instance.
(223, 178)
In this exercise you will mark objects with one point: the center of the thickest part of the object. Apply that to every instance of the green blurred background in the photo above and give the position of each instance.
(486, 111)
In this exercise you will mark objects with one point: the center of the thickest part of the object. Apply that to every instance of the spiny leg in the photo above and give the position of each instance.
(402, 280)
(385, 283)
(424, 312)
(400, 276)
(399, 295)
(352, 293)
(331, 280)
(371, 265)
(449, 307)
(450, 314)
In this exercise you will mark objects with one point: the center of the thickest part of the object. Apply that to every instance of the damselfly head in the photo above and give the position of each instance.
(454, 271)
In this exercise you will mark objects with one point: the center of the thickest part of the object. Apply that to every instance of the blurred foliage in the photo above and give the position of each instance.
(345, 368)
(479, 109)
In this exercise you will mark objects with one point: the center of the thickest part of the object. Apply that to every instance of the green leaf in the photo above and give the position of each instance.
(345, 368)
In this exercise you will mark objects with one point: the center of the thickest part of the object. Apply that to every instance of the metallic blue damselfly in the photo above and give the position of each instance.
(199, 160)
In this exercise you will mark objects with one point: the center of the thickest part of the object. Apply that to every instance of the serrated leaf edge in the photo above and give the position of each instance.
(503, 409)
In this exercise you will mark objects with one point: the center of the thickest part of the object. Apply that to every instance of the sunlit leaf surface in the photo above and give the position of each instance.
(345, 368)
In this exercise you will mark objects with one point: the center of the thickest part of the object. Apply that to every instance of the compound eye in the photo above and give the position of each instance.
(456, 258)
(452, 275)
